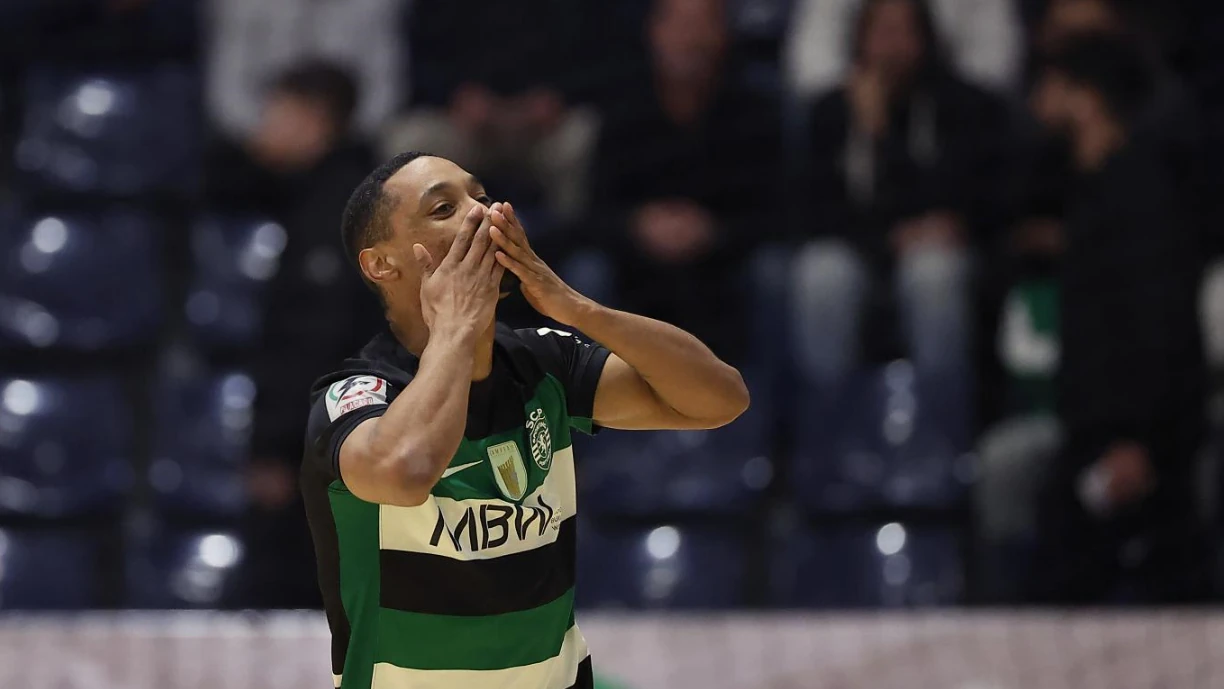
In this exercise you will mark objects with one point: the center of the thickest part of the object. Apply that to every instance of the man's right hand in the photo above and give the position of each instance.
(460, 292)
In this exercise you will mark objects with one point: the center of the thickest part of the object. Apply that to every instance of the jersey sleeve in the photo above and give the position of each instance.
(337, 411)
(577, 364)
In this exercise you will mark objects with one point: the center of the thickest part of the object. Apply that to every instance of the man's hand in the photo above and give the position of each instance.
(1038, 237)
(461, 291)
(270, 483)
(1130, 473)
(935, 229)
(546, 292)
(1122, 476)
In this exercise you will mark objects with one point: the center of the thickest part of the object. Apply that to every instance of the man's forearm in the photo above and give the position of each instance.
(423, 427)
(682, 372)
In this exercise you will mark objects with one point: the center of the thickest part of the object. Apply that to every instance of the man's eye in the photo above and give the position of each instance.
(484, 200)
(444, 209)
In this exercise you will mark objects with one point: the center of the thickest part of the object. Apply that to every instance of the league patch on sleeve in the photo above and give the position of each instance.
(354, 393)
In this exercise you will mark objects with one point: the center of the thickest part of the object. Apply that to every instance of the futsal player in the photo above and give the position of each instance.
(439, 474)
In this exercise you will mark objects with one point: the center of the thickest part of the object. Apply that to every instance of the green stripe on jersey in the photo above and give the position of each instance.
(494, 642)
(357, 532)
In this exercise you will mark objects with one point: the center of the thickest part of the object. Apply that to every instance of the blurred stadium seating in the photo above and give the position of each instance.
(118, 133)
(79, 281)
(67, 446)
(233, 257)
(46, 570)
(200, 447)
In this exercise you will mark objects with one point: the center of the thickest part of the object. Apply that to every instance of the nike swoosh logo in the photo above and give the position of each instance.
(461, 467)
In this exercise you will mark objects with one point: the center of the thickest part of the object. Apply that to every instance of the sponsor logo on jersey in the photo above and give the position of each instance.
(508, 469)
(354, 393)
(539, 438)
(493, 525)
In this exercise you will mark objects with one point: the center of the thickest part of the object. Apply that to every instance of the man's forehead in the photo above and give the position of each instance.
(426, 173)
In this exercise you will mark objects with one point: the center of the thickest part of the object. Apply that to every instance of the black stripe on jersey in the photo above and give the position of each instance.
(586, 678)
(327, 551)
(438, 585)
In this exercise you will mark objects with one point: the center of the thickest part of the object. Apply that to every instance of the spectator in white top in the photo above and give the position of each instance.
(984, 41)
(251, 41)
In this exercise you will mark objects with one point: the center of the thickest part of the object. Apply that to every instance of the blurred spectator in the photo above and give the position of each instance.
(984, 40)
(504, 106)
(687, 176)
(251, 42)
(1119, 516)
(904, 164)
(1015, 453)
(298, 167)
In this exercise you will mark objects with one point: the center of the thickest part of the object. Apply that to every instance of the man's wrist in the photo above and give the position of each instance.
(453, 334)
(584, 312)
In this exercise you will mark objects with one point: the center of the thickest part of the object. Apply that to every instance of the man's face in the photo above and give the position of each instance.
(1064, 105)
(688, 37)
(430, 198)
(293, 132)
(892, 39)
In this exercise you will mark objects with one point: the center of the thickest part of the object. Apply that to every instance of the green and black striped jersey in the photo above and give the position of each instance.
(475, 587)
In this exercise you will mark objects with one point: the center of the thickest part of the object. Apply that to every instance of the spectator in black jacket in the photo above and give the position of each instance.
(505, 105)
(299, 168)
(1120, 510)
(686, 176)
(904, 163)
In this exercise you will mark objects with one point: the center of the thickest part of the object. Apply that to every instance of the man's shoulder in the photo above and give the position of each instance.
(360, 372)
(542, 344)
(375, 362)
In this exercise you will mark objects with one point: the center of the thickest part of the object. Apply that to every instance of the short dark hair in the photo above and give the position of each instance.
(322, 82)
(1114, 66)
(366, 219)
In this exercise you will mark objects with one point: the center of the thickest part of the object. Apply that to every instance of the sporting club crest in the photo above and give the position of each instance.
(508, 469)
(540, 438)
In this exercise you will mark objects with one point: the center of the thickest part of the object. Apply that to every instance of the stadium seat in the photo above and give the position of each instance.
(660, 567)
(876, 451)
(112, 133)
(81, 282)
(234, 257)
(65, 447)
(892, 565)
(721, 471)
(203, 424)
(175, 569)
(46, 570)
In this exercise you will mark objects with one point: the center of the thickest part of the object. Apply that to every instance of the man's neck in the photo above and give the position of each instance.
(415, 338)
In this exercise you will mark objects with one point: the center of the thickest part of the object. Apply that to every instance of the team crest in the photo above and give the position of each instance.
(354, 393)
(540, 438)
(508, 469)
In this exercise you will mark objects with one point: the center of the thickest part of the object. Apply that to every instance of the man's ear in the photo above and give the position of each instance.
(378, 266)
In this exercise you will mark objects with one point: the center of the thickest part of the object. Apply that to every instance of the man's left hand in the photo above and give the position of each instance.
(1130, 472)
(544, 290)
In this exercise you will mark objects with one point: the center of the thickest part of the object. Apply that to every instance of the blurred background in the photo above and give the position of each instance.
(966, 253)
